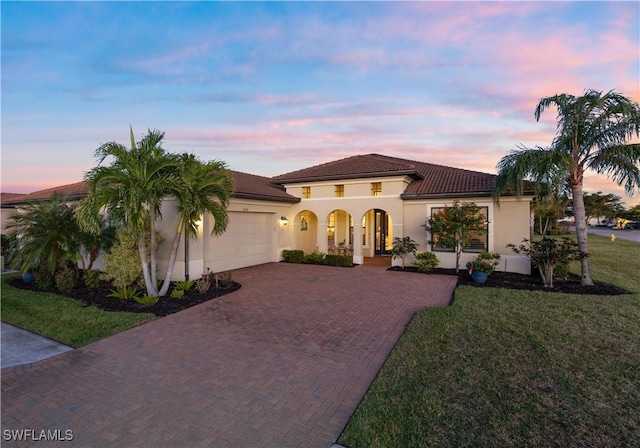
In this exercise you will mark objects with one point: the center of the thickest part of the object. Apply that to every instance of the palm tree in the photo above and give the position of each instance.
(131, 188)
(592, 134)
(47, 237)
(201, 188)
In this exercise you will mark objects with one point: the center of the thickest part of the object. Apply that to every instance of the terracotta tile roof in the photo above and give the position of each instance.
(247, 186)
(77, 190)
(370, 165)
(251, 186)
(430, 180)
(4, 197)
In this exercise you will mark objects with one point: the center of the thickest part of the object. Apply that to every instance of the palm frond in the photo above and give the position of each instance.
(536, 164)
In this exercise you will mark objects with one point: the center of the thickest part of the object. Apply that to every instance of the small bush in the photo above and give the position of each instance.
(224, 280)
(548, 254)
(314, 258)
(122, 264)
(66, 280)
(147, 300)
(293, 256)
(561, 271)
(426, 261)
(338, 260)
(44, 280)
(177, 293)
(183, 286)
(92, 278)
(126, 293)
(204, 282)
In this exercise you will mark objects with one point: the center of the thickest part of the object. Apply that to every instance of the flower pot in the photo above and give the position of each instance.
(479, 277)
(27, 277)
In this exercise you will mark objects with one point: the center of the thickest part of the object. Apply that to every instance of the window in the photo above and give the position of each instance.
(306, 192)
(376, 189)
(479, 242)
(339, 191)
(331, 229)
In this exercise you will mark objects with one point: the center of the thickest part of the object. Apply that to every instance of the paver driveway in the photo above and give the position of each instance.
(282, 362)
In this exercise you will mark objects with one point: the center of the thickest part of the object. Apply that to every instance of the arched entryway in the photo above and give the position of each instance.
(377, 233)
(340, 232)
(306, 231)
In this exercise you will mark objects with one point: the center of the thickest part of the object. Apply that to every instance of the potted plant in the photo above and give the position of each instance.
(483, 265)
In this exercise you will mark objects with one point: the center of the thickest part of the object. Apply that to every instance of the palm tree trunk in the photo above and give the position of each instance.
(153, 250)
(142, 250)
(172, 259)
(579, 214)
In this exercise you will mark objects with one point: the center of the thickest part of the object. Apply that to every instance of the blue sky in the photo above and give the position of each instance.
(274, 87)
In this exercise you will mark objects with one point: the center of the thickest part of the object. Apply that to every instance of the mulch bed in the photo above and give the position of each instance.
(510, 280)
(99, 297)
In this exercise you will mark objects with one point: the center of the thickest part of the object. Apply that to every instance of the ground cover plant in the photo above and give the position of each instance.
(61, 318)
(503, 367)
(106, 298)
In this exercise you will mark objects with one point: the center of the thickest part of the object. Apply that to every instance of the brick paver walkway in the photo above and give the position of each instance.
(282, 362)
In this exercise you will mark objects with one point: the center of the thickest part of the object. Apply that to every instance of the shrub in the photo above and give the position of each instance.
(484, 262)
(338, 260)
(426, 261)
(204, 282)
(183, 286)
(66, 280)
(314, 258)
(177, 293)
(147, 300)
(122, 264)
(44, 280)
(92, 278)
(549, 253)
(224, 280)
(402, 247)
(293, 256)
(126, 293)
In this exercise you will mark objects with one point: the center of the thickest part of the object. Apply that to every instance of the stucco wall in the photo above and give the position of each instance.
(217, 252)
(508, 223)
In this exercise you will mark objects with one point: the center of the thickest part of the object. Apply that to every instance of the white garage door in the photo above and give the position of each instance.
(248, 240)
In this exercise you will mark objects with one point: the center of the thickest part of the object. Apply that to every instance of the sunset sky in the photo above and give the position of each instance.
(274, 87)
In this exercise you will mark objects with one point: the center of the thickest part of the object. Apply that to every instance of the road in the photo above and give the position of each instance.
(631, 235)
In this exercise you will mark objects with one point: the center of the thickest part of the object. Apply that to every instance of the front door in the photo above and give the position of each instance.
(381, 224)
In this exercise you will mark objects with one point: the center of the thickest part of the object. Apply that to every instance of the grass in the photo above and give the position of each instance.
(61, 318)
(506, 368)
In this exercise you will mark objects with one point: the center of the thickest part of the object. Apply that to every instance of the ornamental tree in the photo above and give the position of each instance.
(455, 226)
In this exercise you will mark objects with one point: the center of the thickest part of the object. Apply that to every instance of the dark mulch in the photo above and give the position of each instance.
(99, 297)
(510, 280)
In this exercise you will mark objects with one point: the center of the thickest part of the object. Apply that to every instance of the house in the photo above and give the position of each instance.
(355, 205)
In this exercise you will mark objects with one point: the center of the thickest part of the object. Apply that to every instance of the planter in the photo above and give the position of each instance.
(27, 277)
(479, 277)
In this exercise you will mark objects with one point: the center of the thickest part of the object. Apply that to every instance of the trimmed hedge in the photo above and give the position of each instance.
(339, 260)
(293, 256)
(298, 256)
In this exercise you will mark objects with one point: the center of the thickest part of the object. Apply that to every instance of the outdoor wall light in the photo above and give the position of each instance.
(284, 220)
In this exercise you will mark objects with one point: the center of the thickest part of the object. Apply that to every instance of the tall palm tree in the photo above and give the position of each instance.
(592, 134)
(201, 188)
(132, 188)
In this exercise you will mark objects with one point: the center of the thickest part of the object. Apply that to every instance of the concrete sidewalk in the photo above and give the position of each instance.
(23, 347)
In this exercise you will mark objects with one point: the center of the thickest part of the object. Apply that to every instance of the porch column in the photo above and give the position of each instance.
(357, 243)
(321, 237)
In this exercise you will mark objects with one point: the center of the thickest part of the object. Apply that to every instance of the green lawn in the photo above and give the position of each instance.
(505, 368)
(61, 318)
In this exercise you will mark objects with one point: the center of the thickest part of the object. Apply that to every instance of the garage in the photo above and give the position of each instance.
(248, 240)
